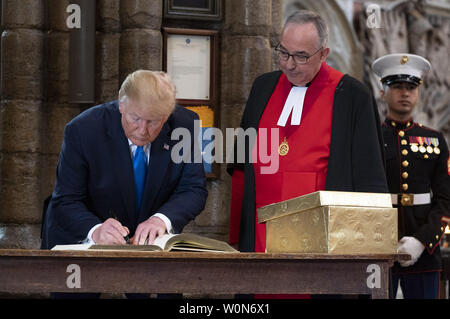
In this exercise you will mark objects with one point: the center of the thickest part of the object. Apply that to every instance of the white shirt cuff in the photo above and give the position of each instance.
(166, 221)
(88, 239)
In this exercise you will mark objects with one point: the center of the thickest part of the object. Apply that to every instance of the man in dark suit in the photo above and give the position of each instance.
(115, 176)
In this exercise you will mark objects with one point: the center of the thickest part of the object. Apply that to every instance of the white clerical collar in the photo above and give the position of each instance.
(294, 105)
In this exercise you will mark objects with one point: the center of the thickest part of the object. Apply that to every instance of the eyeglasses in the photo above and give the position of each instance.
(298, 58)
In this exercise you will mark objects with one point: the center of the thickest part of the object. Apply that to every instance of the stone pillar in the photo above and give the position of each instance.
(141, 39)
(275, 31)
(107, 50)
(245, 54)
(58, 111)
(21, 124)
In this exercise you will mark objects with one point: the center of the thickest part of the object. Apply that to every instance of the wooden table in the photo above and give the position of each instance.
(38, 271)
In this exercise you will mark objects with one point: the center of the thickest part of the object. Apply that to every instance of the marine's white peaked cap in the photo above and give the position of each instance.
(401, 67)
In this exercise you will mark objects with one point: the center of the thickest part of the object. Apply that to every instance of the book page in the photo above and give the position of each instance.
(72, 247)
(126, 247)
(162, 240)
(194, 242)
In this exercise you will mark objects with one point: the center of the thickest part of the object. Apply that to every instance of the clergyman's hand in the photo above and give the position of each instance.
(111, 232)
(151, 228)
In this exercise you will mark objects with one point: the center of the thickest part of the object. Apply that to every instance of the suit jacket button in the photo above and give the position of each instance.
(405, 187)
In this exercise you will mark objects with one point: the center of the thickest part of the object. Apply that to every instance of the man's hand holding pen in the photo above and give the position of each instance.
(111, 232)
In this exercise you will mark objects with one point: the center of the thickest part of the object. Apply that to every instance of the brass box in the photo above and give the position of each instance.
(331, 222)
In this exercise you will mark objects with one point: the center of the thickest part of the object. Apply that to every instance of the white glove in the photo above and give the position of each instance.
(411, 246)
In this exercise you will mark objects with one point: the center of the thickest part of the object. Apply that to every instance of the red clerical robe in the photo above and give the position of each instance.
(303, 170)
(355, 157)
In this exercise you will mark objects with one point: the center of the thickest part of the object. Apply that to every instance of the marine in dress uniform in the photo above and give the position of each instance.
(417, 168)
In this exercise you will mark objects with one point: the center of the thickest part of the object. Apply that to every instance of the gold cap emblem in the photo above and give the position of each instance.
(404, 59)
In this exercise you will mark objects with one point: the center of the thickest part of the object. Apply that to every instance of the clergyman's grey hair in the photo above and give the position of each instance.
(305, 17)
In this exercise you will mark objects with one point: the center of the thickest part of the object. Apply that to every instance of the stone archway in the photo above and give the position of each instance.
(346, 51)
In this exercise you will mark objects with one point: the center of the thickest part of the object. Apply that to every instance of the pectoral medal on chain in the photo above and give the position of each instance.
(283, 149)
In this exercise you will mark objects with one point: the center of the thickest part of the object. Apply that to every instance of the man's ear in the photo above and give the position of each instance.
(121, 107)
(324, 54)
(382, 93)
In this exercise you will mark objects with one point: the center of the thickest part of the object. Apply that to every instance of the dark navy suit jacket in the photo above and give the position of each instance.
(94, 178)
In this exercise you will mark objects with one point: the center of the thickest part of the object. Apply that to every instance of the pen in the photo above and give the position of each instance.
(112, 215)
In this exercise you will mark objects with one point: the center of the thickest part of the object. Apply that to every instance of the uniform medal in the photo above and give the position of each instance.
(435, 142)
(428, 142)
(422, 148)
(283, 149)
(413, 142)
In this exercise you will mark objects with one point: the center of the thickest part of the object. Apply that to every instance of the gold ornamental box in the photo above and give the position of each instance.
(331, 222)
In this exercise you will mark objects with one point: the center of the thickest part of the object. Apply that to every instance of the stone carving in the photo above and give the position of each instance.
(411, 26)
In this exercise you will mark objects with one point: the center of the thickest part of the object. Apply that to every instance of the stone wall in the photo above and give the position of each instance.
(22, 122)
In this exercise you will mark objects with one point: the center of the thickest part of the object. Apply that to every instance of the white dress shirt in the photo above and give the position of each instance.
(163, 217)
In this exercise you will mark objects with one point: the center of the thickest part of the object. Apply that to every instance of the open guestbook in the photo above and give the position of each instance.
(168, 242)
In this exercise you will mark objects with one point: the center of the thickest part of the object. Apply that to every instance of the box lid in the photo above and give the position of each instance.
(323, 198)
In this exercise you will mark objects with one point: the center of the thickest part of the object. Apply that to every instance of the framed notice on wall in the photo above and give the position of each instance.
(189, 65)
(191, 59)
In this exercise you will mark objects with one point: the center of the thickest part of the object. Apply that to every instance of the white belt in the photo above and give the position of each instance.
(411, 199)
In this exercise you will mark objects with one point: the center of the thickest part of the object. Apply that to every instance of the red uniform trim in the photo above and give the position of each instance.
(448, 165)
